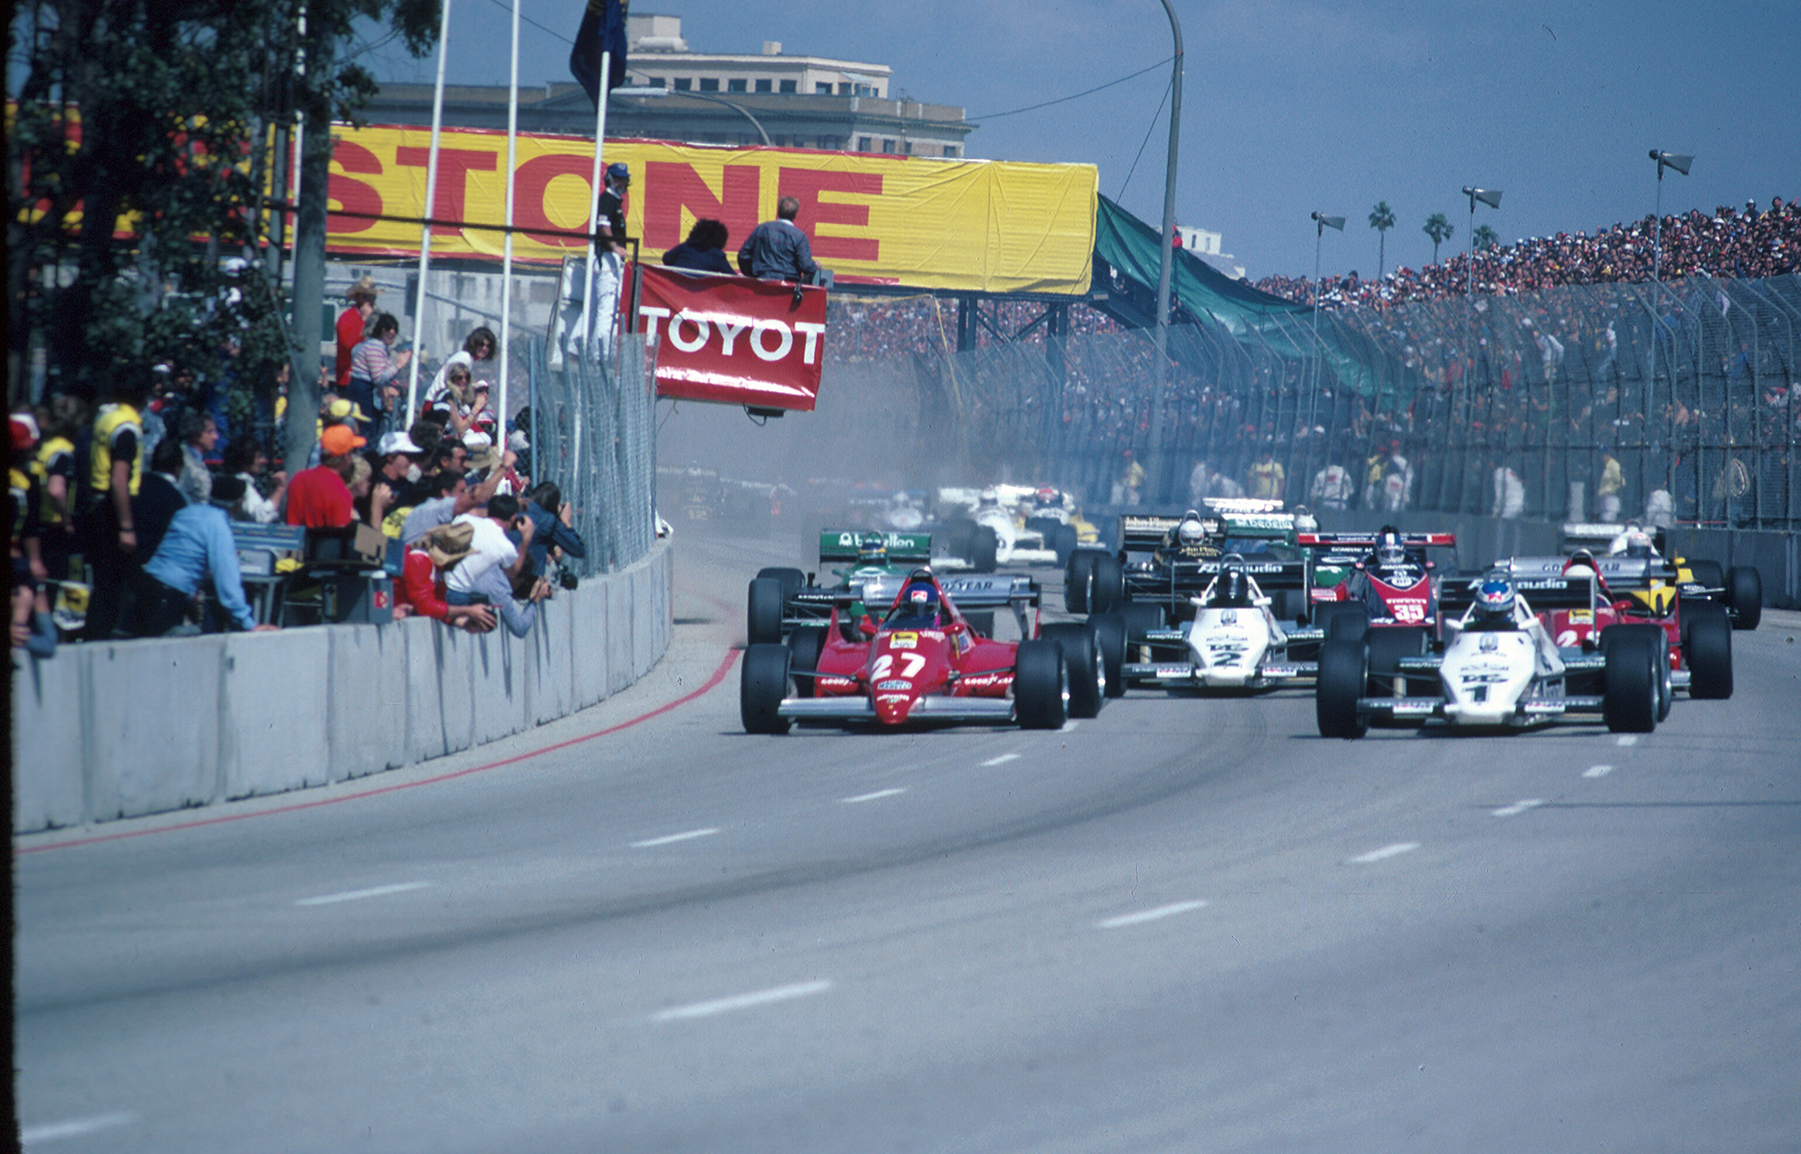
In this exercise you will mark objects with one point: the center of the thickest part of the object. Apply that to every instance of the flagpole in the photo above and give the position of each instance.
(431, 193)
(600, 138)
(506, 264)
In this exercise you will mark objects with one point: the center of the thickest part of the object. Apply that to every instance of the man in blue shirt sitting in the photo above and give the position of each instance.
(198, 545)
(777, 249)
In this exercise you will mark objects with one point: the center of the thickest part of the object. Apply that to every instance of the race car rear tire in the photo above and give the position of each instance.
(1078, 579)
(982, 621)
(806, 643)
(1709, 573)
(1040, 685)
(1110, 635)
(1344, 620)
(1343, 672)
(1063, 540)
(1629, 690)
(1744, 595)
(1087, 670)
(1109, 591)
(793, 580)
(985, 547)
(1387, 646)
(959, 537)
(1139, 618)
(762, 685)
(763, 622)
(1658, 642)
(1708, 652)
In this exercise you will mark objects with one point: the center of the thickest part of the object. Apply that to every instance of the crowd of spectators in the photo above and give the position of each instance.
(1738, 243)
(122, 516)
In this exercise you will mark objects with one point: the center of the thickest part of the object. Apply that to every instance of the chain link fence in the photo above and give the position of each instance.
(1681, 401)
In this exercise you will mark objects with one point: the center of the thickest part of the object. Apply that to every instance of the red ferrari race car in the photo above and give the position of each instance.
(923, 662)
(1381, 577)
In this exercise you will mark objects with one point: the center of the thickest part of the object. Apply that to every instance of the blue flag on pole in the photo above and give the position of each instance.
(602, 30)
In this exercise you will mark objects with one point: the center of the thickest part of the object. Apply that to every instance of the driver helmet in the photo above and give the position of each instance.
(1581, 564)
(1494, 597)
(1045, 497)
(872, 549)
(1304, 520)
(1190, 531)
(920, 599)
(1638, 543)
(1234, 582)
(1390, 550)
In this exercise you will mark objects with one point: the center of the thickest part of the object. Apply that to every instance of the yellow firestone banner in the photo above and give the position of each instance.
(972, 225)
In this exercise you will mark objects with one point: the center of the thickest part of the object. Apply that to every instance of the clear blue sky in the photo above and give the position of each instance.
(1292, 105)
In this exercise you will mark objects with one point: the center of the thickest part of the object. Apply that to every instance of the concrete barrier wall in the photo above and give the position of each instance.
(1480, 540)
(107, 731)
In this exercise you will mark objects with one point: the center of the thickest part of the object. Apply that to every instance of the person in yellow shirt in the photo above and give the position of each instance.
(1267, 478)
(1613, 479)
(104, 515)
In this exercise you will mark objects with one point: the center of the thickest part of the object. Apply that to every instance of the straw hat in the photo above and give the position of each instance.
(364, 288)
(448, 544)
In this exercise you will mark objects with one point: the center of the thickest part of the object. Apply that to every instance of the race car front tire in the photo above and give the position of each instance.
(763, 621)
(1744, 595)
(1344, 620)
(1343, 673)
(805, 643)
(1109, 591)
(762, 685)
(1658, 642)
(1078, 579)
(1629, 691)
(1387, 646)
(1110, 635)
(1140, 618)
(1040, 685)
(793, 580)
(1087, 669)
(1708, 650)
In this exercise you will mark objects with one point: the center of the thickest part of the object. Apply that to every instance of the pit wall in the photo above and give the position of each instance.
(109, 731)
(1480, 540)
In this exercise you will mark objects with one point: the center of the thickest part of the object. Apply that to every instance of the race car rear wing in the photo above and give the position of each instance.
(1141, 533)
(903, 548)
(1600, 535)
(1618, 572)
(1240, 518)
(1181, 580)
(989, 590)
(1457, 594)
(1346, 542)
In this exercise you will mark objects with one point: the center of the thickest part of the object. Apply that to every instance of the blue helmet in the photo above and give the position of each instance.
(920, 597)
(1494, 597)
(619, 172)
(872, 549)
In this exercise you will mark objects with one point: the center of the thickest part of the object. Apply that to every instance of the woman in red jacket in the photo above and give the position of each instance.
(421, 590)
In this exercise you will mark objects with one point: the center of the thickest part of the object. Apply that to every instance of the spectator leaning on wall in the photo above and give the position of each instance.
(198, 547)
(422, 590)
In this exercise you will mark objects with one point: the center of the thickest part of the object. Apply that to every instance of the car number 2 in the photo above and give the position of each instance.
(911, 664)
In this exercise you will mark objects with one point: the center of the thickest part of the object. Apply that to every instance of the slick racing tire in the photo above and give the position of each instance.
(1140, 618)
(1087, 669)
(1109, 591)
(1708, 652)
(1629, 689)
(1344, 620)
(1387, 646)
(984, 550)
(959, 537)
(1658, 643)
(982, 621)
(763, 622)
(805, 643)
(1744, 596)
(1343, 672)
(793, 580)
(762, 685)
(1078, 580)
(1110, 635)
(1063, 540)
(1040, 685)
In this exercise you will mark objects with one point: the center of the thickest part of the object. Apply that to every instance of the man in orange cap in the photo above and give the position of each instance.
(319, 498)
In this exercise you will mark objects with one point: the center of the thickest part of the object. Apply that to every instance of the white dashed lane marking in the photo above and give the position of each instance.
(740, 1002)
(73, 1128)
(1386, 851)
(1001, 760)
(359, 895)
(670, 839)
(1597, 771)
(1518, 807)
(1626, 739)
(880, 793)
(1143, 916)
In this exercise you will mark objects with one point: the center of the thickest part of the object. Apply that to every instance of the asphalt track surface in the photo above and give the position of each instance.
(1188, 924)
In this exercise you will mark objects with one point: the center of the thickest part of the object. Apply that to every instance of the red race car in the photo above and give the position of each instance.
(923, 662)
(1379, 577)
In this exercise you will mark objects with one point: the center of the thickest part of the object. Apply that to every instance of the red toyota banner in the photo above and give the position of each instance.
(732, 339)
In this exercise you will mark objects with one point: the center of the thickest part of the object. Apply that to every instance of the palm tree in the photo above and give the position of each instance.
(1440, 230)
(1485, 238)
(1382, 218)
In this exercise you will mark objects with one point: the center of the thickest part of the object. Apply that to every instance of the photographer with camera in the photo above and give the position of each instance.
(553, 535)
(495, 566)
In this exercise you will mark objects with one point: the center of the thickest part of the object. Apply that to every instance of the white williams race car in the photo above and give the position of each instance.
(1234, 641)
(1500, 667)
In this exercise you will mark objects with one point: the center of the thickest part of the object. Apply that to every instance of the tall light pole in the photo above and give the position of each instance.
(1321, 223)
(1681, 164)
(1166, 259)
(733, 105)
(1492, 198)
